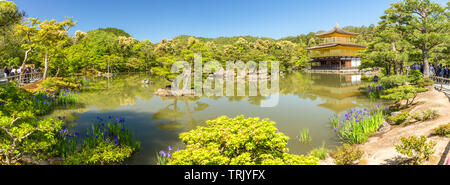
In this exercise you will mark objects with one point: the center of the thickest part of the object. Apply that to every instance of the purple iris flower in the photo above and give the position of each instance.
(162, 153)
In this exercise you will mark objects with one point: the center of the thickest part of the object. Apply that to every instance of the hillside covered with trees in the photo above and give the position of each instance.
(410, 31)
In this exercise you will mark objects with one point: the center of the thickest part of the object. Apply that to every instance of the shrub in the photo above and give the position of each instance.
(417, 148)
(103, 153)
(429, 114)
(407, 92)
(346, 155)
(442, 130)
(399, 118)
(358, 125)
(237, 141)
(394, 80)
(424, 82)
(14, 100)
(415, 76)
(425, 115)
(366, 78)
(320, 152)
(25, 135)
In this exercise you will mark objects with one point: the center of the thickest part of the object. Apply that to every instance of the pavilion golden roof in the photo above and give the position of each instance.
(336, 30)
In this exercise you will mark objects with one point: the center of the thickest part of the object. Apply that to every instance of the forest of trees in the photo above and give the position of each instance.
(410, 31)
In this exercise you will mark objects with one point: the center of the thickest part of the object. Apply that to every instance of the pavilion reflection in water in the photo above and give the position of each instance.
(339, 91)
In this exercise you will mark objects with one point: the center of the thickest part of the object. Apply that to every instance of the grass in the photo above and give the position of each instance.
(67, 97)
(305, 137)
(320, 152)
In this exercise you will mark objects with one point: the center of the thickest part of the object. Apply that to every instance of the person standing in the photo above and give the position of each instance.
(441, 71)
(13, 71)
(446, 73)
(6, 71)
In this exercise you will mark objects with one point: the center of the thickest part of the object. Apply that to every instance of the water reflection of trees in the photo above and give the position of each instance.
(111, 93)
(176, 113)
(338, 92)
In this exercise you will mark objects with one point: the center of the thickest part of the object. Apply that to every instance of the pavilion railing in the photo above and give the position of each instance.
(332, 67)
(334, 53)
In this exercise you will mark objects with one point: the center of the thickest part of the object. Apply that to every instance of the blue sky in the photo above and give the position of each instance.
(157, 19)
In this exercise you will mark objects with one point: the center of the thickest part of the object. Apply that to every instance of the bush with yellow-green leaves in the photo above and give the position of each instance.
(237, 141)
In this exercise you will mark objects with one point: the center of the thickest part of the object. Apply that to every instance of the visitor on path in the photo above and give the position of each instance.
(432, 70)
(27, 73)
(446, 72)
(441, 71)
(13, 71)
(6, 71)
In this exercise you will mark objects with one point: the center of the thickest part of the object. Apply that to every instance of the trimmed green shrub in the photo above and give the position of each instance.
(405, 92)
(394, 80)
(424, 82)
(237, 141)
(399, 118)
(414, 76)
(416, 148)
(346, 155)
(442, 130)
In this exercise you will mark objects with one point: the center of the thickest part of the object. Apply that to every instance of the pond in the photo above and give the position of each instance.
(306, 100)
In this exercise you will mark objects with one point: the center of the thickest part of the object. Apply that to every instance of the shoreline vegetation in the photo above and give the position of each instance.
(412, 130)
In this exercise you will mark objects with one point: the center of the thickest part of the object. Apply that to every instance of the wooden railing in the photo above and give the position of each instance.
(25, 78)
(441, 80)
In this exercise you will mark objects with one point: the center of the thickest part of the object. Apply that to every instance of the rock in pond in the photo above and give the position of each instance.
(169, 92)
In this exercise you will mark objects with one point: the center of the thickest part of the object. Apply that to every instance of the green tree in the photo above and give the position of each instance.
(425, 23)
(9, 15)
(404, 92)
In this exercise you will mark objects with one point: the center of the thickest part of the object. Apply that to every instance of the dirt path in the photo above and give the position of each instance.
(380, 149)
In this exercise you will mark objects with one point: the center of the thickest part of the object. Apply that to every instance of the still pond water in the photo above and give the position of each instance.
(306, 101)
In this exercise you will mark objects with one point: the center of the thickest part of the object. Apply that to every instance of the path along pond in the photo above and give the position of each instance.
(306, 100)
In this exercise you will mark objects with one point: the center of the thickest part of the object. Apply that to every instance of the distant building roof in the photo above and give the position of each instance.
(336, 30)
(334, 44)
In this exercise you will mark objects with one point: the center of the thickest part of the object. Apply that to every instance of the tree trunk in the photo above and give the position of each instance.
(24, 62)
(426, 66)
(46, 65)
(57, 72)
(395, 59)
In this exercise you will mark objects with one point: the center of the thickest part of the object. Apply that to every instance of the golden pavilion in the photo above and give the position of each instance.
(337, 51)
